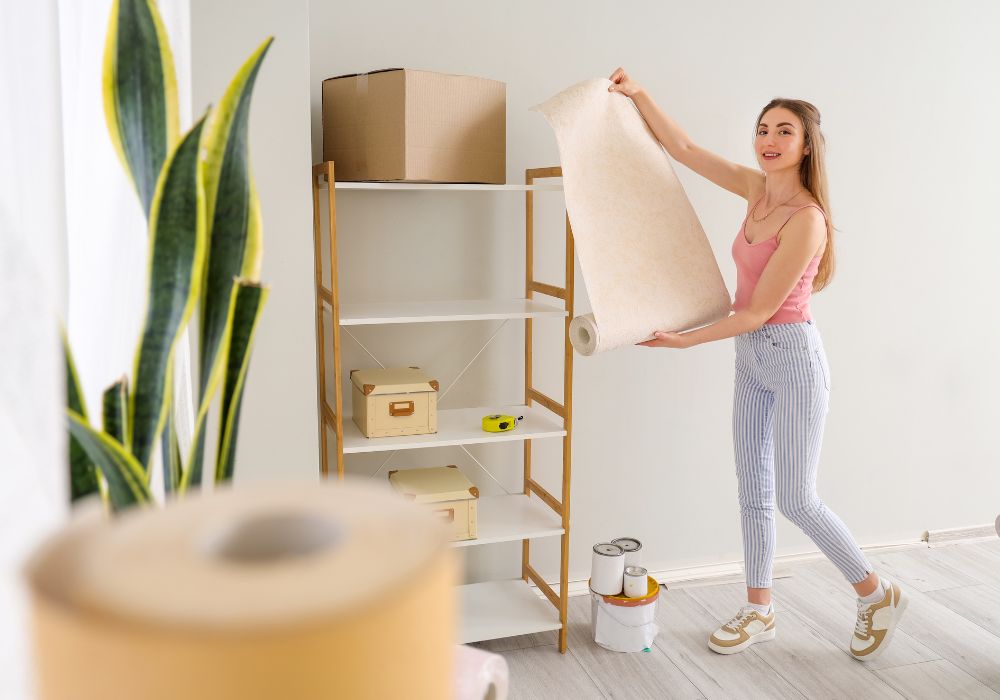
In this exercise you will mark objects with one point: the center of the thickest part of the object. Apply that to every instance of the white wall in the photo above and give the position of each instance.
(909, 322)
(278, 429)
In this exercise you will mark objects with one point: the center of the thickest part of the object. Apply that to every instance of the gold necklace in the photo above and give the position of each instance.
(775, 208)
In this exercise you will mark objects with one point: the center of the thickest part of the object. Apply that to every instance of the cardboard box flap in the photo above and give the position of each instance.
(433, 484)
(392, 380)
(370, 72)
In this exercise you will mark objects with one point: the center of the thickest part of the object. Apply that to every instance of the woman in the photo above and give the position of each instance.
(783, 252)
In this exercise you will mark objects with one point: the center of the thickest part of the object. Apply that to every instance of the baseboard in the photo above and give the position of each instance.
(732, 571)
(957, 534)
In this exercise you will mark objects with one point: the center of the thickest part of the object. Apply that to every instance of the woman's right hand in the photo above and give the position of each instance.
(623, 83)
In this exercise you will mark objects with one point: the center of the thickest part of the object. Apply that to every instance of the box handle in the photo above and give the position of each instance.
(446, 513)
(407, 409)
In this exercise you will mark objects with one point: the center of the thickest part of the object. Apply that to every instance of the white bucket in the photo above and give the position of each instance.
(620, 623)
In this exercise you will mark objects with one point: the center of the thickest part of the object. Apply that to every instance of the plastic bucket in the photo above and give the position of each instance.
(625, 624)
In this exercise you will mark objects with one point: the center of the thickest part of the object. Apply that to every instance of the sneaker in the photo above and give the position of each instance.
(876, 622)
(745, 628)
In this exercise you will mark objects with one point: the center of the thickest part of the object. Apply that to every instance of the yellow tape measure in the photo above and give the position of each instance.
(497, 423)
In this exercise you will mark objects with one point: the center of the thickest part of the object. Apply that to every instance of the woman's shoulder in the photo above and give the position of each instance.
(809, 203)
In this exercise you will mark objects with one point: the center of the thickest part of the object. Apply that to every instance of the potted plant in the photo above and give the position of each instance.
(205, 247)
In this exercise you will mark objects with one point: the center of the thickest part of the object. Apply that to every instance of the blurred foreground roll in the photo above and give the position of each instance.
(645, 258)
(268, 591)
(480, 674)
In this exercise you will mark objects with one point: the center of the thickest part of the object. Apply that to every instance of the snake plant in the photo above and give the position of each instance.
(204, 240)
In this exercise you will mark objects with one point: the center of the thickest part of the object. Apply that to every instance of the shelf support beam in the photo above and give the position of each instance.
(531, 286)
(550, 404)
(328, 419)
(547, 289)
(542, 585)
(532, 486)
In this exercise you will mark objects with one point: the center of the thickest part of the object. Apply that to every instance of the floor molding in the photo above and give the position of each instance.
(937, 537)
(732, 571)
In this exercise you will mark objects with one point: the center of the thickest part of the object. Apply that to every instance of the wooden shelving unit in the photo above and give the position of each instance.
(490, 609)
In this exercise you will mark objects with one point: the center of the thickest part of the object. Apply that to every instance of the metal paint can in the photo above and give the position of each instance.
(607, 570)
(636, 584)
(633, 550)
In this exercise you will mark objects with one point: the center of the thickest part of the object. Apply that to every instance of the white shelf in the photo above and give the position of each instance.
(502, 609)
(475, 187)
(511, 518)
(445, 310)
(460, 426)
(497, 608)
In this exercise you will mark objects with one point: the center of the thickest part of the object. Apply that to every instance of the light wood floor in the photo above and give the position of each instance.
(946, 646)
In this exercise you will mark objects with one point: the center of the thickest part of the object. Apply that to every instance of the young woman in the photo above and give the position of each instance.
(783, 252)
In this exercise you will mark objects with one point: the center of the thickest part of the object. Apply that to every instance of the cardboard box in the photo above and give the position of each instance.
(394, 401)
(447, 491)
(400, 124)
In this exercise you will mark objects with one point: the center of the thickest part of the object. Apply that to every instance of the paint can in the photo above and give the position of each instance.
(619, 623)
(633, 550)
(635, 582)
(607, 569)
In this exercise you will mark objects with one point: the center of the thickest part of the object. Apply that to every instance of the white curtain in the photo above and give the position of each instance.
(34, 495)
(72, 247)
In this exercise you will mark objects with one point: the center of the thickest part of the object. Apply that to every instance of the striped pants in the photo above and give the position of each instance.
(779, 407)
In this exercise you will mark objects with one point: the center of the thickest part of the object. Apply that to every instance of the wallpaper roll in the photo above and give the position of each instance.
(267, 591)
(480, 675)
(646, 261)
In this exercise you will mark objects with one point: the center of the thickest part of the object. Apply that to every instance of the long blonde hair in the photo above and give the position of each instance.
(812, 173)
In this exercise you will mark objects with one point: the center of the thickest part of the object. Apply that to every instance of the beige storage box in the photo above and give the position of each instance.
(400, 124)
(447, 492)
(394, 401)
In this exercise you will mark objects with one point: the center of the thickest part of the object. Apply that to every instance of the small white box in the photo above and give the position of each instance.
(447, 491)
(394, 401)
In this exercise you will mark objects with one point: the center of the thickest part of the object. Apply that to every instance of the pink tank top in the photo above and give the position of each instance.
(751, 258)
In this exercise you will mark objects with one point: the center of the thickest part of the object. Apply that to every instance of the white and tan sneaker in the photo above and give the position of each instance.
(876, 622)
(745, 628)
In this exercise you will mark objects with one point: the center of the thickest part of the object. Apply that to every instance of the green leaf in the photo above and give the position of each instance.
(196, 456)
(250, 299)
(82, 474)
(171, 453)
(176, 264)
(233, 212)
(114, 413)
(140, 93)
(125, 477)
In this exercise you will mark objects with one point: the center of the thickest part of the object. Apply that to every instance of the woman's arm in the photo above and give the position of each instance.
(726, 174)
(801, 238)
(736, 178)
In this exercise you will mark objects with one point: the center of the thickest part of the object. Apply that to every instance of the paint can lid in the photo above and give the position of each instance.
(608, 550)
(629, 544)
(637, 571)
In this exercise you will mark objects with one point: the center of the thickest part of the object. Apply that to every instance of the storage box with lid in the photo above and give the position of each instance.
(394, 401)
(400, 124)
(447, 491)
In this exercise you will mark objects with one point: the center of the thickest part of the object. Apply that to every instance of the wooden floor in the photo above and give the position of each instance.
(947, 644)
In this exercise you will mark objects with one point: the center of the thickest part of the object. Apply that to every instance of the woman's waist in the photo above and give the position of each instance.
(804, 334)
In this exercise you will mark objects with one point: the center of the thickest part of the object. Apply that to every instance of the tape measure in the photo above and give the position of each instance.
(497, 423)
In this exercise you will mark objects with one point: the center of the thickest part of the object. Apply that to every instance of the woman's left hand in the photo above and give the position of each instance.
(664, 339)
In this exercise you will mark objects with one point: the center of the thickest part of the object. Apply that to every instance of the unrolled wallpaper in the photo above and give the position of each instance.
(646, 261)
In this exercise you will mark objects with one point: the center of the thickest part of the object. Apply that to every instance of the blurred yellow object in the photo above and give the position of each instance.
(330, 590)
(498, 423)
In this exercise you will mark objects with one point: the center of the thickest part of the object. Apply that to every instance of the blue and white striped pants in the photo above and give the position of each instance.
(779, 408)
